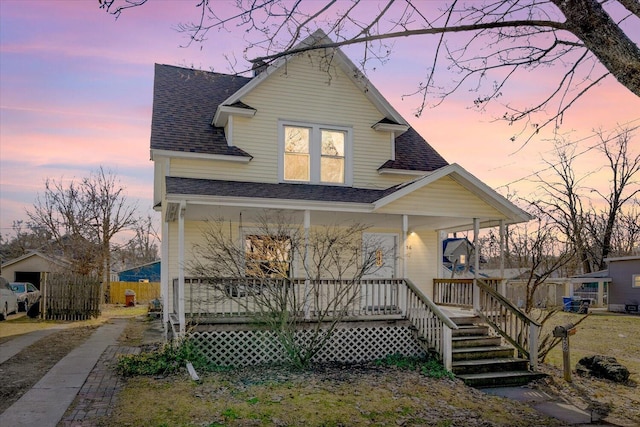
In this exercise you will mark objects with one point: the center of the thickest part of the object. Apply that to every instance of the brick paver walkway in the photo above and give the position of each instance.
(97, 396)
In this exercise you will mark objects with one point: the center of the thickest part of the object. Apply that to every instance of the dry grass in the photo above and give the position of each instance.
(23, 324)
(607, 334)
(361, 396)
(374, 396)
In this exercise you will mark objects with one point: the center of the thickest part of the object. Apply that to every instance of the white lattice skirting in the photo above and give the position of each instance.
(348, 345)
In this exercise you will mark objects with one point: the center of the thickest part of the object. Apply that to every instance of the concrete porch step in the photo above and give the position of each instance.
(475, 341)
(466, 320)
(480, 366)
(500, 379)
(488, 352)
(470, 330)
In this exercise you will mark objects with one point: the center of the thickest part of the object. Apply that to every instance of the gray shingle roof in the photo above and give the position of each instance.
(415, 154)
(184, 102)
(284, 191)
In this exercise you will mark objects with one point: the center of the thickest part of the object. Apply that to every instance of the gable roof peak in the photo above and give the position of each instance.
(318, 39)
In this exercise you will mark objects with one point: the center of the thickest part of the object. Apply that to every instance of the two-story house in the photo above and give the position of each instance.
(309, 135)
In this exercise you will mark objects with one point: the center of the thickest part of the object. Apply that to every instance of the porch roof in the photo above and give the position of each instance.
(322, 193)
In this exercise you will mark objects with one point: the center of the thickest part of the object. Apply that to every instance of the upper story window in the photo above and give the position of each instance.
(315, 153)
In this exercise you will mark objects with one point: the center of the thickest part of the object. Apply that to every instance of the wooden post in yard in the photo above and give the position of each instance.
(564, 332)
(566, 359)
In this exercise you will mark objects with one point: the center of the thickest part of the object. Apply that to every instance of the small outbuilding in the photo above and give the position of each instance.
(624, 293)
(31, 267)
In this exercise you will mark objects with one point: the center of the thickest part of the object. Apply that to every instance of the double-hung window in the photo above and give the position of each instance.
(315, 154)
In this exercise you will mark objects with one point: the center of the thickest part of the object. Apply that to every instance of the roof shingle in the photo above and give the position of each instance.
(284, 191)
(184, 102)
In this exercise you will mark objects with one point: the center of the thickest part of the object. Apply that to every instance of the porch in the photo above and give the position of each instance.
(377, 317)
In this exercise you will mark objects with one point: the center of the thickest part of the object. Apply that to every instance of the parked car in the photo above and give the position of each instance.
(27, 294)
(8, 299)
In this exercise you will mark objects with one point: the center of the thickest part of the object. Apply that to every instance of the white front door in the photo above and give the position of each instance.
(382, 248)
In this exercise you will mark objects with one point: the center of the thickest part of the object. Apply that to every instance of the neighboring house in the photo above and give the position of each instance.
(31, 267)
(592, 286)
(149, 272)
(624, 291)
(457, 253)
(309, 135)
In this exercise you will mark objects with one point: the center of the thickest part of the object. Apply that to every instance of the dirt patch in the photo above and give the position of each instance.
(25, 369)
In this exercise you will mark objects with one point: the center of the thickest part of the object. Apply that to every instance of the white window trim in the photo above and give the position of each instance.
(635, 278)
(315, 153)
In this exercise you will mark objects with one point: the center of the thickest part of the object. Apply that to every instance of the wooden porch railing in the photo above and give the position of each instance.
(458, 292)
(433, 326)
(224, 298)
(512, 324)
(234, 300)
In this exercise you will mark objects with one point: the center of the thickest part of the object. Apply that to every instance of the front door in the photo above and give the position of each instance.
(382, 248)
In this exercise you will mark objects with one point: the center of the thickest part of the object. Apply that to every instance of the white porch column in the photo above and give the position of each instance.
(503, 282)
(476, 264)
(307, 284)
(181, 316)
(164, 274)
(405, 243)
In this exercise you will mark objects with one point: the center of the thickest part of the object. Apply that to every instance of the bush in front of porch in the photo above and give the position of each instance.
(268, 257)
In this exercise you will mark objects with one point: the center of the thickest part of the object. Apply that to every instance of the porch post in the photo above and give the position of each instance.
(402, 296)
(405, 243)
(476, 264)
(307, 285)
(503, 281)
(447, 341)
(181, 316)
(164, 274)
(533, 346)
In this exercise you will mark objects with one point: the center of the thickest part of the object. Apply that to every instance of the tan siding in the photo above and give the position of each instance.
(303, 92)
(444, 197)
(211, 169)
(422, 260)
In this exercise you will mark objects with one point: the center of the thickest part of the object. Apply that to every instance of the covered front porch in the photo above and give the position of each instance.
(377, 316)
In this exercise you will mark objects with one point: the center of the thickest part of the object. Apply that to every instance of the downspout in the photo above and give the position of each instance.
(181, 315)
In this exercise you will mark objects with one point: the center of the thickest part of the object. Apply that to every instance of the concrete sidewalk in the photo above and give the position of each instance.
(45, 404)
(16, 345)
(549, 405)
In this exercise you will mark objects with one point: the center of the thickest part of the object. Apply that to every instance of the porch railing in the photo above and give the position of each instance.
(224, 298)
(458, 292)
(433, 326)
(238, 300)
(512, 324)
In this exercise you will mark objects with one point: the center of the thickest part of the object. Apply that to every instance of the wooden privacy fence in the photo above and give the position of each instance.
(145, 291)
(70, 297)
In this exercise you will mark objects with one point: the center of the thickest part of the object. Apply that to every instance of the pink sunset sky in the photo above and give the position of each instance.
(76, 94)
